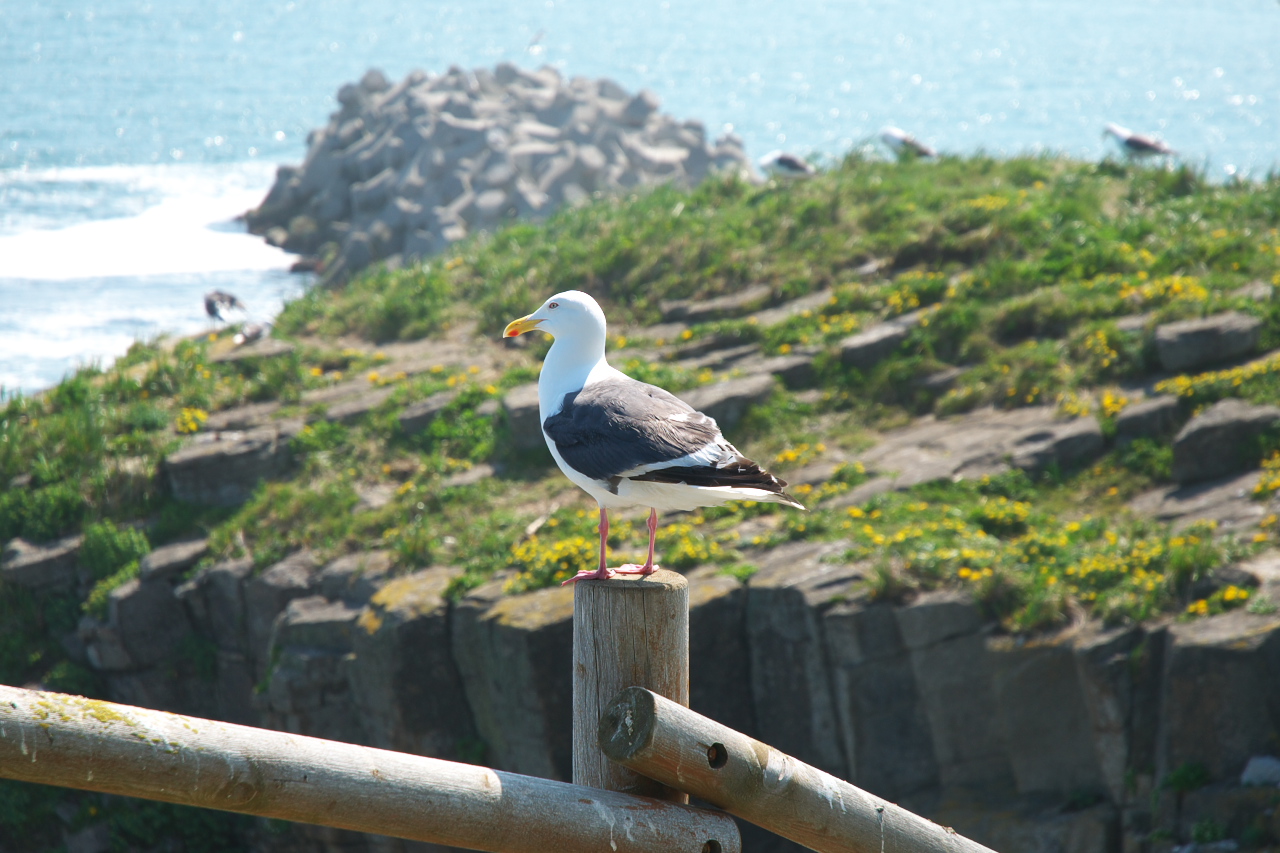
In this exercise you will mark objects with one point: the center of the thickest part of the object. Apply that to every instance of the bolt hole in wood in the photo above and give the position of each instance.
(711, 846)
(717, 756)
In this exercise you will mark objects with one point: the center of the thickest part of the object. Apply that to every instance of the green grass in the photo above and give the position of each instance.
(1028, 565)
(1014, 227)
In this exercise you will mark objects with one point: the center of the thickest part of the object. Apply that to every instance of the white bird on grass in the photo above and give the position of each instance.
(780, 164)
(904, 143)
(1137, 144)
(251, 332)
(627, 443)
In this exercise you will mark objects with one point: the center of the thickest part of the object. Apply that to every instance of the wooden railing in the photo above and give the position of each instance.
(638, 753)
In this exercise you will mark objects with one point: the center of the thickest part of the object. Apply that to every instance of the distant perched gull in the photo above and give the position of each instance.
(904, 143)
(780, 164)
(251, 332)
(218, 301)
(627, 443)
(1136, 144)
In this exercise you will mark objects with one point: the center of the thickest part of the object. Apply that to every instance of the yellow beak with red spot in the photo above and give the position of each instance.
(519, 327)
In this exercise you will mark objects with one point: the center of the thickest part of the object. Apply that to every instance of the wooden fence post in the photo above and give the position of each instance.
(627, 631)
(756, 782)
(74, 742)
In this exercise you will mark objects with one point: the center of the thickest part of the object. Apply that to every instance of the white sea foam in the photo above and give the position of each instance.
(61, 325)
(189, 229)
(83, 293)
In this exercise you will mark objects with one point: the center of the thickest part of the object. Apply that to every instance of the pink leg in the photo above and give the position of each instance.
(648, 568)
(604, 572)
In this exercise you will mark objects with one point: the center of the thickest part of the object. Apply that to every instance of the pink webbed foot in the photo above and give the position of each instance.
(601, 574)
(633, 569)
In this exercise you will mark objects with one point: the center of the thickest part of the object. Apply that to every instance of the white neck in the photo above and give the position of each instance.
(568, 364)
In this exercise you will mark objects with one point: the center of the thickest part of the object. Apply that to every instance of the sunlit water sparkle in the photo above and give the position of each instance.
(132, 133)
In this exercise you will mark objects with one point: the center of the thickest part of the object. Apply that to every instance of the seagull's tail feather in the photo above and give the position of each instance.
(780, 498)
(743, 476)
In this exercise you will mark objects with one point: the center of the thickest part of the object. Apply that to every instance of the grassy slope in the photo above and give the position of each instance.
(1023, 265)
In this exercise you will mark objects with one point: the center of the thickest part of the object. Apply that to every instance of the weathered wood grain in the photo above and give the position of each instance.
(674, 745)
(627, 631)
(54, 739)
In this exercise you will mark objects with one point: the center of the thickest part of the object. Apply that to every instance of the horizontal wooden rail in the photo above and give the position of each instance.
(664, 741)
(73, 742)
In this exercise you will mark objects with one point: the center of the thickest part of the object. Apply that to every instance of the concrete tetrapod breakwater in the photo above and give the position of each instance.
(402, 171)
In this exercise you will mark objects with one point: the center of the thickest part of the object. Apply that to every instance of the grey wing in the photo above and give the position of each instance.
(615, 426)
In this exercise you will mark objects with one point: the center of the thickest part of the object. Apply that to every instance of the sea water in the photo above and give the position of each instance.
(132, 133)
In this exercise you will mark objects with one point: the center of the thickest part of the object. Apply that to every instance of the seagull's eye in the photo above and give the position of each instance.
(554, 305)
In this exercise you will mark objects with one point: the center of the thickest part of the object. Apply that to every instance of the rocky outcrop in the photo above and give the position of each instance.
(308, 688)
(728, 401)
(1153, 418)
(1190, 344)
(418, 416)
(717, 352)
(1221, 440)
(222, 469)
(795, 371)
(809, 302)
(404, 170)
(146, 647)
(406, 685)
(148, 621)
(1220, 693)
(215, 601)
(943, 633)
(523, 420)
(251, 416)
(266, 594)
(882, 719)
(1227, 502)
(171, 562)
(1043, 717)
(1066, 444)
(1119, 672)
(513, 654)
(984, 442)
(868, 348)
(355, 578)
(720, 680)
(733, 305)
(1022, 826)
(355, 408)
(52, 566)
(791, 689)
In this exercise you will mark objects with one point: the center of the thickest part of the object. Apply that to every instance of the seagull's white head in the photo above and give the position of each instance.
(571, 313)
(1120, 133)
(894, 137)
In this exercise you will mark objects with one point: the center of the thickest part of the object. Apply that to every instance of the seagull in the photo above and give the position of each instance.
(217, 301)
(251, 332)
(904, 143)
(1136, 144)
(627, 443)
(780, 164)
